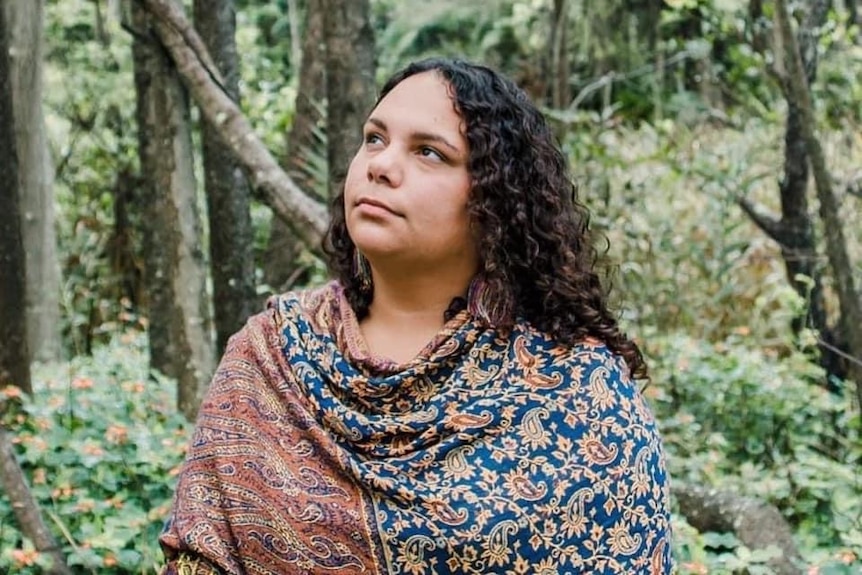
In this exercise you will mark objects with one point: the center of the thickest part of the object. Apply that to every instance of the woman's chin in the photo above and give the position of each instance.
(375, 244)
(378, 251)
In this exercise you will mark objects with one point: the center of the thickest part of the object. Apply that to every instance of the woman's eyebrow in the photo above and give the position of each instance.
(425, 136)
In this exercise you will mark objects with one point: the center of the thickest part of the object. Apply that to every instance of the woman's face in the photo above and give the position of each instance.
(406, 192)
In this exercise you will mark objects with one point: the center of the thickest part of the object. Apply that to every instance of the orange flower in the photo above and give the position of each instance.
(93, 449)
(85, 506)
(36, 443)
(117, 433)
(11, 391)
(697, 568)
(82, 383)
(39, 477)
(110, 561)
(24, 558)
(62, 492)
(138, 387)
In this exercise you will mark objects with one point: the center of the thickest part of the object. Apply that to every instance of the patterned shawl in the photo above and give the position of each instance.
(487, 453)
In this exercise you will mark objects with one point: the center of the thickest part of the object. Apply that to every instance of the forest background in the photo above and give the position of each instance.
(146, 214)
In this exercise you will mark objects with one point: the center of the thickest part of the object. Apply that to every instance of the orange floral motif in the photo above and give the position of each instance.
(519, 486)
(622, 542)
(595, 451)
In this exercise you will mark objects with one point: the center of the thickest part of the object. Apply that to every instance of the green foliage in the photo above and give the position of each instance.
(702, 553)
(742, 419)
(838, 90)
(267, 89)
(493, 31)
(100, 443)
(91, 125)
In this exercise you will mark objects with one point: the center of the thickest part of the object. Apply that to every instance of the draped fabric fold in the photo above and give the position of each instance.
(489, 452)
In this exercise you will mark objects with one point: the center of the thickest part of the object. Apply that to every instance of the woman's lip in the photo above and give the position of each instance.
(376, 204)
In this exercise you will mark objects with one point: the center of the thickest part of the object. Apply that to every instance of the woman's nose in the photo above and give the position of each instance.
(384, 167)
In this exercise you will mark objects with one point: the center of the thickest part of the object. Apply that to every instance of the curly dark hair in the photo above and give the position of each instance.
(540, 259)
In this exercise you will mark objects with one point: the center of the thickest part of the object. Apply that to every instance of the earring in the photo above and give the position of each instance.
(361, 271)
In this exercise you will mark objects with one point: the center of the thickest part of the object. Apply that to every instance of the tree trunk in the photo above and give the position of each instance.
(281, 268)
(180, 333)
(14, 356)
(756, 524)
(125, 245)
(26, 509)
(227, 190)
(561, 93)
(798, 242)
(794, 231)
(24, 19)
(830, 209)
(306, 216)
(350, 81)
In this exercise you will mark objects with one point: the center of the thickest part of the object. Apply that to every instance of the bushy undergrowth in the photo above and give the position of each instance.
(100, 443)
(743, 420)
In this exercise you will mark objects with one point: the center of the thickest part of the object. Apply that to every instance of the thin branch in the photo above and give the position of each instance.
(779, 78)
(839, 352)
(195, 43)
(611, 77)
(769, 224)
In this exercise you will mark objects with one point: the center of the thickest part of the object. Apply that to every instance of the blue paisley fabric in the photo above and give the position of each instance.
(490, 452)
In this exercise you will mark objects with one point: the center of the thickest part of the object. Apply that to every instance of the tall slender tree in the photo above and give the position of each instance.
(25, 21)
(350, 80)
(180, 327)
(558, 56)
(281, 268)
(14, 358)
(227, 190)
(793, 229)
(849, 300)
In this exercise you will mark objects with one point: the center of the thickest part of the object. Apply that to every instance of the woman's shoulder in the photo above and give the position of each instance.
(588, 370)
(589, 353)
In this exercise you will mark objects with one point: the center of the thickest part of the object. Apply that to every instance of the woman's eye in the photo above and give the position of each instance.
(431, 153)
(373, 138)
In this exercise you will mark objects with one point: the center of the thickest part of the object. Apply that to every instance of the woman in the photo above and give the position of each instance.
(459, 399)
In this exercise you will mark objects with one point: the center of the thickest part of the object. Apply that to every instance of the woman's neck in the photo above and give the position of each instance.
(416, 300)
(407, 312)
